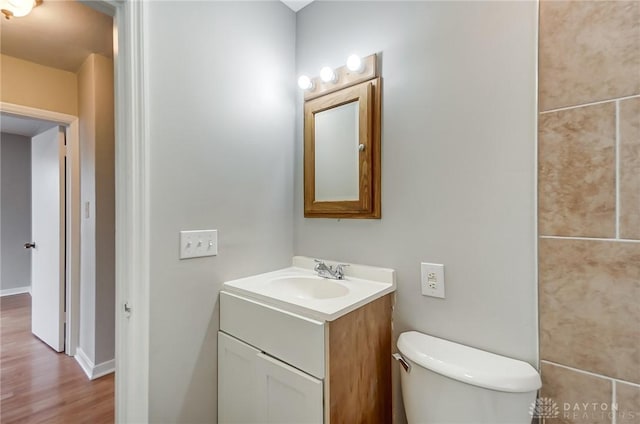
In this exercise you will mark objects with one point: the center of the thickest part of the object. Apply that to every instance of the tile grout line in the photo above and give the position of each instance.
(560, 109)
(617, 168)
(614, 404)
(592, 374)
(590, 239)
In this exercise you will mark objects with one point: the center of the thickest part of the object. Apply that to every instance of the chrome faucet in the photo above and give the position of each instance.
(328, 271)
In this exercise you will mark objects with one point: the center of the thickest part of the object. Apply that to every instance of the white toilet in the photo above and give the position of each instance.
(445, 382)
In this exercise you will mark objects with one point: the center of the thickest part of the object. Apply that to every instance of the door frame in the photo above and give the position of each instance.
(132, 207)
(72, 207)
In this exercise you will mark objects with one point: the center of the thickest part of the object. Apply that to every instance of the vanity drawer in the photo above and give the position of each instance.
(292, 338)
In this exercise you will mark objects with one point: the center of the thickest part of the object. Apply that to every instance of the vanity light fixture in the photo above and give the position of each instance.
(305, 83)
(328, 75)
(355, 64)
(357, 69)
(17, 8)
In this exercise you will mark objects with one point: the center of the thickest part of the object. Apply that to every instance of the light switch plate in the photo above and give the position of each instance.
(198, 243)
(432, 279)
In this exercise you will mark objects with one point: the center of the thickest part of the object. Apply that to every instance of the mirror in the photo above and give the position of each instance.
(336, 155)
(342, 153)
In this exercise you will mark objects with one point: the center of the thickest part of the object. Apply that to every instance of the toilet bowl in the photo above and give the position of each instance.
(445, 382)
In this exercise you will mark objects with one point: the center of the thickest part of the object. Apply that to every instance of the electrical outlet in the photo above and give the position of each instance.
(432, 279)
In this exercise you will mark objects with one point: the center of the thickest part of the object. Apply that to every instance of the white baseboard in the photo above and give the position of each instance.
(16, 290)
(90, 369)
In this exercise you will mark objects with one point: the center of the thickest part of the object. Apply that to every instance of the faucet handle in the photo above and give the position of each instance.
(319, 264)
(340, 270)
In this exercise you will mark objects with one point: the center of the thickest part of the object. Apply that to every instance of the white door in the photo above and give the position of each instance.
(237, 378)
(254, 388)
(47, 232)
(288, 395)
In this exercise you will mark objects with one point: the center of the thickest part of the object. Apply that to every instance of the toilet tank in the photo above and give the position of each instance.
(451, 383)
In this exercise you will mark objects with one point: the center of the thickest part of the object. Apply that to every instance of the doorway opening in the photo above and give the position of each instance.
(39, 191)
(66, 79)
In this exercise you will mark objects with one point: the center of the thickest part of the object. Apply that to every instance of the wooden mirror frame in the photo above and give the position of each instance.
(368, 94)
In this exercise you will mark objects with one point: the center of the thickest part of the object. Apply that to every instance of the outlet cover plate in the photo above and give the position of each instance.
(198, 243)
(432, 279)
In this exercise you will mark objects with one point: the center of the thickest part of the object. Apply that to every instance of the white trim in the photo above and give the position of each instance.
(73, 213)
(84, 361)
(536, 229)
(132, 210)
(560, 109)
(104, 368)
(15, 290)
(31, 112)
(90, 369)
(590, 239)
(72, 339)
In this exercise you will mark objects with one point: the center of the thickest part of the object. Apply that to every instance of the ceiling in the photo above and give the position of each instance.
(58, 33)
(27, 127)
(62, 33)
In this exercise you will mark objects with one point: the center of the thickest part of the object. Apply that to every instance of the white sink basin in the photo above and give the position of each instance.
(307, 287)
(298, 288)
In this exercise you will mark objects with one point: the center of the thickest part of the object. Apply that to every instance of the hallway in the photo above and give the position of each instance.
(39, 385)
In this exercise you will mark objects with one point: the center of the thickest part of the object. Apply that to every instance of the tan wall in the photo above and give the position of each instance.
(97, 174)
(105, 209)
(29, 84)
(589, 208)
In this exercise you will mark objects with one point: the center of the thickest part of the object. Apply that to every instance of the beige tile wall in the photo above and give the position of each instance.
(589, 209)
(577, 174)
(630, 168)
(628, 397)
(588, 52)
(569, 388)
(589, 306)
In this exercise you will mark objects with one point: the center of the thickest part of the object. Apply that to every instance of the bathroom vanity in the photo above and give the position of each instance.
(297, 348)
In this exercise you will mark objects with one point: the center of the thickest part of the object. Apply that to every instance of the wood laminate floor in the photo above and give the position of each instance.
(38, 385)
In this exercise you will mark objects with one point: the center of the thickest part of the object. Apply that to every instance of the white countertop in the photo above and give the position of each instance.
(363, 284)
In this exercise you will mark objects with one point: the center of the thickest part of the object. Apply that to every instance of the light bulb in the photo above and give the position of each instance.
(354, 63)
(327, 74)
(19, 8)
(305, 83)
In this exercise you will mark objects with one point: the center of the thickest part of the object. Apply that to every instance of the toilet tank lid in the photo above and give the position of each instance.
(469, 365)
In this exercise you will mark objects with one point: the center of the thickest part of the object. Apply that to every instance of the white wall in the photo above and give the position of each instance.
(221, 116)
(15, 221)
(458, 168)
(458, 161)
